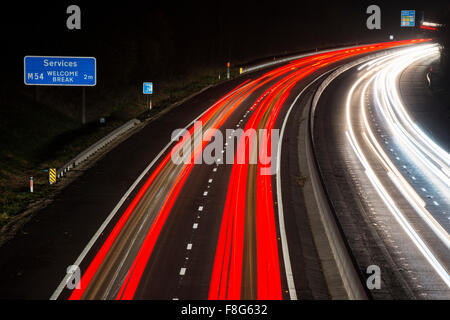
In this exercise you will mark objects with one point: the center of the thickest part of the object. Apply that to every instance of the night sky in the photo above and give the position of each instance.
(158, 39)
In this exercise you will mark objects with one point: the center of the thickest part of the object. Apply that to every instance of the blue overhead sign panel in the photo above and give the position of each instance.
(408, 18)
(147, 88)
(60, 71)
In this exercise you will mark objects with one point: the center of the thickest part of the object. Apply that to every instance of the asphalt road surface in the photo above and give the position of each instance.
(395, 215)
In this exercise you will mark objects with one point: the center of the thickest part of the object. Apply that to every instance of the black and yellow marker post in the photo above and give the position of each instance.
(52, 175)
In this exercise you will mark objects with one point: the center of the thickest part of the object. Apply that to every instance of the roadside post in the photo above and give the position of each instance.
(147, 89)
(52, 175)
(61, 71)
(31, 184)
(228, 70)
(83, 105)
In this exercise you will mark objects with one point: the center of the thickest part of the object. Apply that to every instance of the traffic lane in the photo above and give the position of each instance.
(181, 264)
(249, 290)
(420, 216)
(87, 280)
(219, 112)
(439, 249)
(35, 261)
(120, 256)
(413, 175)
(372, 232)
(237, 126)
(162, 278)
(230, 250)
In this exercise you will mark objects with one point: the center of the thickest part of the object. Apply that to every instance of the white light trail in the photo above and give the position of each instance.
(383, 73)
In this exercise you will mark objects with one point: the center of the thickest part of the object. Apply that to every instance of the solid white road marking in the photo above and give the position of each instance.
(284, 244)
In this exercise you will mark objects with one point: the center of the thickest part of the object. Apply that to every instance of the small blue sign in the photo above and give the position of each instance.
(408, 18)
(60, 71)
(147, 88)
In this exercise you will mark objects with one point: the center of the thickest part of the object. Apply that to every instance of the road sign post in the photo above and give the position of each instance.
(61, 71)
(147, 89)
(83, 105)
(149, 102)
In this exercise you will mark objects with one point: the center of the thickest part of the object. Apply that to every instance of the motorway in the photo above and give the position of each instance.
(368, 143)
(143, 226)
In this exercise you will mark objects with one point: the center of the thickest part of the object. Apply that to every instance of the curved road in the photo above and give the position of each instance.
(186, 228)
(395, 215)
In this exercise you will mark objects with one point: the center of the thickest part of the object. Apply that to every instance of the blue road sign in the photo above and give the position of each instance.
(408, 18)
(147, 88)
(60, 71)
